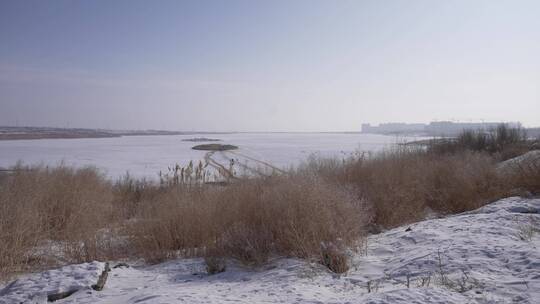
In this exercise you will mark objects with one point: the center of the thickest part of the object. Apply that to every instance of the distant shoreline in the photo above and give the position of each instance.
(6, 137)
(35, 133)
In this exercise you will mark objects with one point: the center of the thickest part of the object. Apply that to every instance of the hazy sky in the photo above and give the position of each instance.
(267, 65)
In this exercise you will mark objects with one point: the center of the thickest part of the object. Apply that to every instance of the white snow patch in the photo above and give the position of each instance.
(35, 288)
(479, 254)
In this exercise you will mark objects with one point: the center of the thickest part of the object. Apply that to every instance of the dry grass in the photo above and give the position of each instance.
(322, 205)
(530, 181)
(526, 177)
(402, 183)
(215, 264)
(458, 183)
(334, 258)
(61, 204)
(249, 220)
(504, 142)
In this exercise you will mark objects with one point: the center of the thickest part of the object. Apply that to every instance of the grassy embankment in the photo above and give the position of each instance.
(318, 211)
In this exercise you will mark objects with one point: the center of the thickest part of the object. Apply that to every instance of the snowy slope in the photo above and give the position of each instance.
(490, 255)
(35, 288)
(527, 161)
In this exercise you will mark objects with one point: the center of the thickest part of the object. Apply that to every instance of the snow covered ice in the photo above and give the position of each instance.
(146, 156)
(490, 255)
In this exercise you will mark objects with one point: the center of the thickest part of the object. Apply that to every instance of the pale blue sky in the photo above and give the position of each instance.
(267, 65)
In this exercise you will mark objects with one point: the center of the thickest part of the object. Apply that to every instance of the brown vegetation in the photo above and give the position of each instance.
(403, 183)
(503, 142)
(248, 220)
(317, 211)
(60, 204)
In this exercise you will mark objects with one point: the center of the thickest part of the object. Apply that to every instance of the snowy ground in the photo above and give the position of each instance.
(490, 255)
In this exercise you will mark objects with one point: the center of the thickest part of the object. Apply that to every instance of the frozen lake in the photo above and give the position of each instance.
(145, 156)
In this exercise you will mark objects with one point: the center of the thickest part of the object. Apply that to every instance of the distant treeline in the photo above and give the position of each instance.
(15, 133)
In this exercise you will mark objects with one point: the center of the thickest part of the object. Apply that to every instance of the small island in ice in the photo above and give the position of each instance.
(215, 147)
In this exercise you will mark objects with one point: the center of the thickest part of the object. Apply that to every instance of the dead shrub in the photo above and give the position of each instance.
(250, 219)
(462, 182)
(526, 177)
(214, 264)
(41, 203)
(129, 193)
(334, 258)
(391, 183)
(504, 140)
(305, 211)
(176, 221)
(401, 183)
(247, 244)
(20, 229)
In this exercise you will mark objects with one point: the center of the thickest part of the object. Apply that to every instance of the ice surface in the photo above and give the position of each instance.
(482, 249)
(145, 156)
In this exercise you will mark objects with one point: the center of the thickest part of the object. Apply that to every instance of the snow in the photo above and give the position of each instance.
(474, 257)
(484, 245)
(35, 288)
